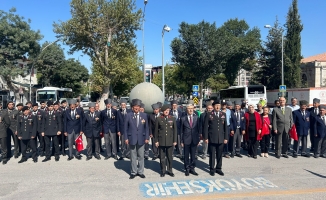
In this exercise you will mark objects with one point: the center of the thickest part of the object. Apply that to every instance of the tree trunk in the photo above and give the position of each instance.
(105, 95)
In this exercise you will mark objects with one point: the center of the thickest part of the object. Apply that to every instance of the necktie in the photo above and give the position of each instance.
(238, 119)
(73, 114)
(303, 113)
(137, 116)
(316, 113)
(190, 121)
(109, 113)
(282, 110)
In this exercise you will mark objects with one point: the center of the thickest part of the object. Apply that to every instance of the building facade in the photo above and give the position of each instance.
(313, 71)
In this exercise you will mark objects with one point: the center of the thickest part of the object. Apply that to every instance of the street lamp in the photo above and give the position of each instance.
(270, 27)
(144, 71)
(30, 74)
(167, 29)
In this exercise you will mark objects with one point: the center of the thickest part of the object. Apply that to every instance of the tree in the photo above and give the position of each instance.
(240, 45)
(17, 42)
(48, 62)
(104, 30)
(269, 72)
(217, 82)
(71, 74)
(292, 50)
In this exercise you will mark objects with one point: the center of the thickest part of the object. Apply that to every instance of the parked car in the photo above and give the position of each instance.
(84, 103)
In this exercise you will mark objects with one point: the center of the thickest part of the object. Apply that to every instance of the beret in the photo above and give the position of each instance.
(303, 102)
(155, 106)
(165, 107)
(123, 101)
(107, 101)
(174, 102)
(136, 102)
(315, 100)
(91, 104)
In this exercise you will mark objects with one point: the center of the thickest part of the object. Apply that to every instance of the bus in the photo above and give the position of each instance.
(54, 94)
(251, 94)
(4, 98)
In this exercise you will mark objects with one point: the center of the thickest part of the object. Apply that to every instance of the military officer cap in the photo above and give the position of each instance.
(42, 101)
(159, 104)
(108, 101)
(72, 101)
(123, 101)
(28, 102)
(63, 101)
(322, 107)
(191, 102)
(142, 105)
(114, 103)
(174, 102)
(25, 108)
(223, 102)
(56, 103)
(20, 104)
(50, 103)
(217, 101)
(165, 107)
(155, 106)
(9, 102)
(228, 103)
(237, 103)
(303, 102)
(136, 102)
(35, 104)
(91, 104)
(315, 100)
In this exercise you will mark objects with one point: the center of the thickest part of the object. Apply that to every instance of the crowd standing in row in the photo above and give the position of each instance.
(224, 128)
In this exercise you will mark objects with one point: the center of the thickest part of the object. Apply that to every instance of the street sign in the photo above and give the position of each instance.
(195, 88)
(195, 100)
(195, 94)
(282, 88)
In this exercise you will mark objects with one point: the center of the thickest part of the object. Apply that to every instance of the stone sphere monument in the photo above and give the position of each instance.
(148, 93)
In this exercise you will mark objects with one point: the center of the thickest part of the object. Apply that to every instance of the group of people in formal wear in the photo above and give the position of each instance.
(225, 127)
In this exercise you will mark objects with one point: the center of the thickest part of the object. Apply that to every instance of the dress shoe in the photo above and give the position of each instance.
(226, 156)
(16, 156)
(78, 157)
(187, 173)
(295, 155)
(154, 158)
(278, 156)
(316, 156)
(232, 155)
(22, 160)
(285, 156)
(70, 158)
(249, 155)
(116, 157)
(170, 173)
(121, 158)
(162, 174)
(193, 172)
(307, 155)
(212, 173)
(57, 158)
(46, 159)
(4, 162)
(98, 157)
(35, 160)
(324, 156)
(141, 175)
(239, 155)
(88, 158)
(146, 157)
(106, 158)
(64, 154)
(218, 171)
(255, 157)
(132, 176)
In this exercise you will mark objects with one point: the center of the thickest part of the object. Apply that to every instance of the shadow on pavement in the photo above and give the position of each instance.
(316, 174)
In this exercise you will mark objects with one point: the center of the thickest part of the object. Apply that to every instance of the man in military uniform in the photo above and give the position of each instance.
(136, 132)
(92, 129)
(73, 127)
(26, 129)
(12, 130)
(151, 120)
(52, 130)
(122, 113)
(43, 106)
(40, 128)
(209, 109)
(216, 134)
(165, 136)
(63, 138)
(4, 126)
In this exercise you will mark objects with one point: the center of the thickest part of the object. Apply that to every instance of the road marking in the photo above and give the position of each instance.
(252, 194)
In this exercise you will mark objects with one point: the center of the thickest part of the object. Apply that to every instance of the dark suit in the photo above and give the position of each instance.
(302, 124)
(92, 129)
(73, 125)
(4, 126)
(40, 128)
(320, 135)
(13, 115)
(165, 134)
(125, 151)
(110, 122)
(313, 115)
(216, 131)
(190, 137)
(151, 121)
(239, 125)
(202, 125)
(63, 138)
(26, 129)
(136, 133)
(52, 125)
(177, 114)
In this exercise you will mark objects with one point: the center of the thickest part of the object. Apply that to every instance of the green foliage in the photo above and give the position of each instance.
(17, 41)
(217, 82)
(292, 48)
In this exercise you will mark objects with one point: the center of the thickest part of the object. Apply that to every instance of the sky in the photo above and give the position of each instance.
(257, 13)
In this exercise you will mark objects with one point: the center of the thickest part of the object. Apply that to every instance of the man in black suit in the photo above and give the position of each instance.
(239, 129)
(63, 138)
(122, 113)
(190, 137)
(12, 130)
(314, 112)
(92, 129)
(216, 134)
(209, 109)
(73, 127)
(151, 120)
(4, 125)
(320, 132)
(40, 128)
(177, 114)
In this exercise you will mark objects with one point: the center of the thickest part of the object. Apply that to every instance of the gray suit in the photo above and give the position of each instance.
(282, 123)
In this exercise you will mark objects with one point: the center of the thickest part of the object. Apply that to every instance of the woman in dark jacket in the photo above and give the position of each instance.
(266, 131)
(253, 130)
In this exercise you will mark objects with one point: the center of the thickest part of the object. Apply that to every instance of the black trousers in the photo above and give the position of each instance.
(215, 152)
(41, 140)
(312, 139)
(178, 146)
(303, 140)
(154, 149)
(17, 148)
(189, 151)
(281, 143)
(252, 146)
(90, 141)
(55, 141)
(320, 146)
(236, 143)
(166, 158)
(4, 148)
(31, 144)
(62, 142)
(264, 143)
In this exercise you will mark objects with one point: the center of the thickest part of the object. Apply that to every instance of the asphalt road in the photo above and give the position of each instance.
(245, 178)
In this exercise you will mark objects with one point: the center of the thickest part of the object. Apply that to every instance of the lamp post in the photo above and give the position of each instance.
(270, 27)
(144, 71)
(30, 74)
(167, 29)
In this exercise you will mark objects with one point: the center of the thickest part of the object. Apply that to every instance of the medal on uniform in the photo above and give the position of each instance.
(53, 117)
(113, 117)
(39, 117)
(30, 121)
(77, 116)
(143, 121)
